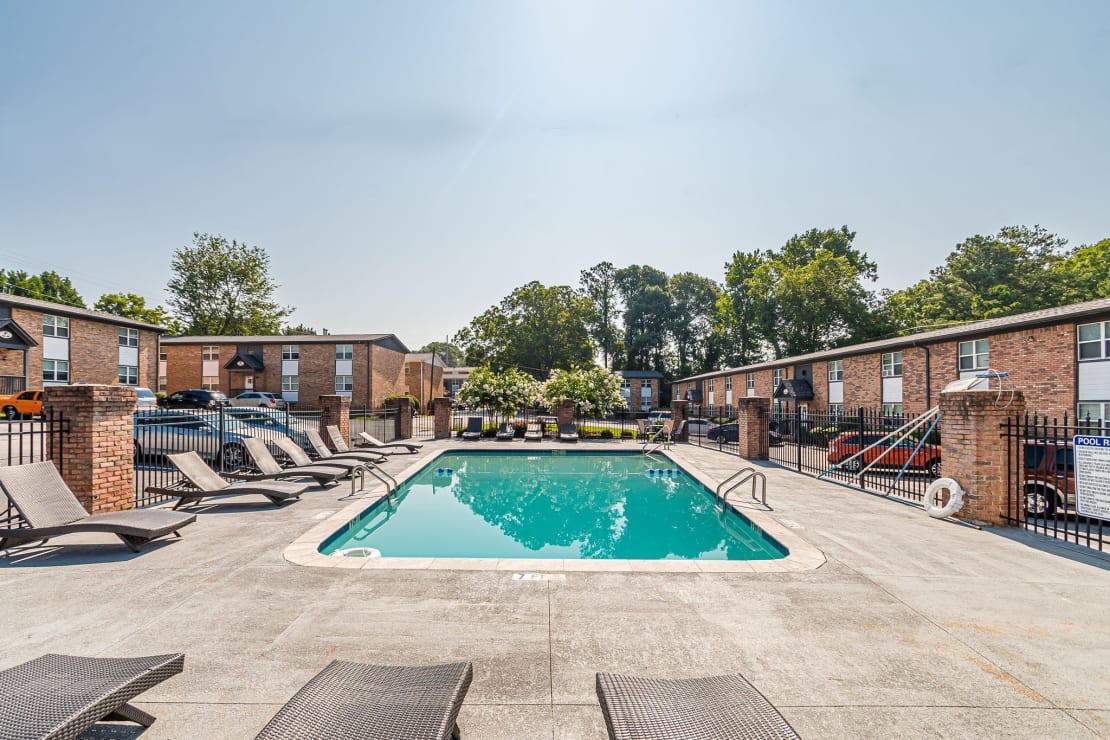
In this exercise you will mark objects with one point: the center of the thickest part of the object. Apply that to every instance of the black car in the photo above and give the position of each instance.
(194, 398)
(730, 434)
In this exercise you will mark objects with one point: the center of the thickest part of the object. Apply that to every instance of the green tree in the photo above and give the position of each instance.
(300, 330)
(46, 286)
(693, 328)
(593, 390)
(451, 353)
(648, 316)
(131, 306)
(535, 328)
(738, 310)
(599, 284)
(1084, 274)
(504, 393)
(224, 288)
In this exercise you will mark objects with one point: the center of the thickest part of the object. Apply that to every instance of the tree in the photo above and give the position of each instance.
(449, 352)
(693, 323)
(648, 316)
(599, 284)
(224, 288)
(738, 310)
(504, 393)
(299, 330)
(1084, 274)
(535, 328)
(47, 286)
(592, 390)
(131, 306)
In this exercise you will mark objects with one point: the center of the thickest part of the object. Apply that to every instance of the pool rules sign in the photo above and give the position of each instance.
(1092, 476)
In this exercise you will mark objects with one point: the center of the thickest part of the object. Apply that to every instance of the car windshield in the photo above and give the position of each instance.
(144, 393)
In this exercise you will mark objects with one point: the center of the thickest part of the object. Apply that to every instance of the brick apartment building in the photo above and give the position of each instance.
(44, 344)
(365, 367)
(1059, 357)
(453, 379)
(640, 389)
(424, 376)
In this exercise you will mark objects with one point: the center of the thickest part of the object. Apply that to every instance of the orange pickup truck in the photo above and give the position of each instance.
(25, 405)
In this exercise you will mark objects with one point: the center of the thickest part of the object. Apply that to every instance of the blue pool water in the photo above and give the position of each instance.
(543, 505)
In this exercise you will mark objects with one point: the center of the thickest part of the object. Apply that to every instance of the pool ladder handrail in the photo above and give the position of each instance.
(748, 474)
(383, 477)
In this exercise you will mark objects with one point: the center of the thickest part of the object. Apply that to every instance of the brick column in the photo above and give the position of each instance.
(403, 422)
(442, 407)
(335, 410)
(97, 458)
(754, 426)
(680, 411)
(564, 414)
(975, 451)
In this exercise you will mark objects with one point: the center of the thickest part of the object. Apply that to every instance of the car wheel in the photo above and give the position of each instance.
(1039, 501)
(11, 413)
(233, 456)
(852, 466)
(933, 468)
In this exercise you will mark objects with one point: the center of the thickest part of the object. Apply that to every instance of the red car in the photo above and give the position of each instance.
(888, 454)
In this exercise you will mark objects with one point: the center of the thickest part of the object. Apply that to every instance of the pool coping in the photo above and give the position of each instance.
(304, 550)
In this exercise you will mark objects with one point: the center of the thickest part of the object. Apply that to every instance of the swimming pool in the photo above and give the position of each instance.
(552, 505)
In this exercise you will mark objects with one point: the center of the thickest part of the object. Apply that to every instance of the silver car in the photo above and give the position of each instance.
(162, 432)
(259, 399)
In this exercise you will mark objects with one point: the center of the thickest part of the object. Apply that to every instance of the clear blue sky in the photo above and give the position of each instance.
(408, 164)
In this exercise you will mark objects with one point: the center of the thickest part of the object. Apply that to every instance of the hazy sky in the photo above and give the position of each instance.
(408, 164)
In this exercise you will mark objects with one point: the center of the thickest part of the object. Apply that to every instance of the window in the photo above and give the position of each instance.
(776, 377)
(974, 355)
(1094, 341)
(128, 375)
(406, 370)
(344, 352)
(836, 370)
(161, 355)
(711, 385)
(55, 326)
(645, 385)
(892, 409)
(129, 337)
(55, 371)
(344, 383)
(626, 386)
(162, 383)
(290, 352)
(892, 364)
(209, 352)
(728, 383)
(751, 381)
(836, 410)
(1093, 412)
(290, 383)
(210, 382)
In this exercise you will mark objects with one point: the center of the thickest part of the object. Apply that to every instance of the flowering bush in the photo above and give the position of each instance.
(595, 390)
(503, 393)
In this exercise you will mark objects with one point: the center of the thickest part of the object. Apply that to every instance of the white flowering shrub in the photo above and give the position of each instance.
(593, 391)
(503, 393)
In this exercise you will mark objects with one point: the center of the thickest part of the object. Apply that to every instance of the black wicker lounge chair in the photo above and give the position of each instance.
(48, 509)
(61, 696)
(270, 469)
(568, 433)
(533, 432)
(713, 708)
(473, 428)
(357, 700)
(375, 444)
(326, 455)
(207, 482)
(506, 432)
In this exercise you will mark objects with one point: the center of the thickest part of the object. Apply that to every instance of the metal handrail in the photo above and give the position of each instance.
(390, 483)
(748, 474)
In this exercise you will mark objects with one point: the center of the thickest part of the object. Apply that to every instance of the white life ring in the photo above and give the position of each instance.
(955, 498)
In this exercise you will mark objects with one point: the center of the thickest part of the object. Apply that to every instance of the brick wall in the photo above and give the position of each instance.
(388, 371)
(863, 382)
(317, 371)
(11, 361)
(418, 386)
(182, 366)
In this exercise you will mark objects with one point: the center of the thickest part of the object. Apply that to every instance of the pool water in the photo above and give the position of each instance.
(551, 505)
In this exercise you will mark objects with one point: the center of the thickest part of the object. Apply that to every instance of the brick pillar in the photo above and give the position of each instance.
(442, 407)
(975, 451)
(335, 410)
(680, 411)
(754, 425)
(403, 422)
(97, 458)
(564, 414)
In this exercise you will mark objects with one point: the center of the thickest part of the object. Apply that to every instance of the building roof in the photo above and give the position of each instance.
(62, 309)
(1044, 317)
(382, 339)
(429, 357)
(639, 373)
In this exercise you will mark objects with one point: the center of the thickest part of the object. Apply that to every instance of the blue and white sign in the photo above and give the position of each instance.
(1092, 476)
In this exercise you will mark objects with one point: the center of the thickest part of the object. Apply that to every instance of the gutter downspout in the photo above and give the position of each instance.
(369, 376)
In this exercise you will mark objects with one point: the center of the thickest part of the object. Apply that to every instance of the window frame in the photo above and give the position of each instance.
(291, 352)
(210, 382)
(290, 383)
(750, 381)
(836, 371)
(55, 376)
(348, 355)
(124, 374)
(728, 383)
(127, 337)
(347, 387)
(975, 355)
(836, 411)
(777, 376)
(209, 352)
(59, 326)
(889, 409)
(893, 369)
(1101, 342)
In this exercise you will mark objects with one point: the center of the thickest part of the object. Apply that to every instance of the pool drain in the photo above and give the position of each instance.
(358, 552)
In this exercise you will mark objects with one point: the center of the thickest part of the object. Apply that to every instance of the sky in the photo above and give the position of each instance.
(408, 164)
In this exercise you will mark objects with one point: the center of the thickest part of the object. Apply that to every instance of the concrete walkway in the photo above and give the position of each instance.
(913, 627)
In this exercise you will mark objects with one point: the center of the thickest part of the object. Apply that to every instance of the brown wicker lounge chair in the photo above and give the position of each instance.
(48, 509)
(207, 482)
(300, 458)
(375, 444)
(61, 696)
(533, 432)
(568, 433)
(713, 708)
(357, 700)
(326, 455)
(270, 469)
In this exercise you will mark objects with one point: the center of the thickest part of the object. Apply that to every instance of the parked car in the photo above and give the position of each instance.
(1049, 478)
(146, 399)
(730, 433)
(273, 421)
(161, 432)
(193, 398)
(698, 427)
(260, 399)
(888, 454)
(24, 405)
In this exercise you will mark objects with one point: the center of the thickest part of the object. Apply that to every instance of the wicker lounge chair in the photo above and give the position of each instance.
(48, 509)
(326, 455)
(506, 432)
(207, 482)
(270, 469)
(713, 708)
(301, 459)
(568, 433)
(473, 428)
(533, 432)
(357, 700)
(375, 444)
(61, 696)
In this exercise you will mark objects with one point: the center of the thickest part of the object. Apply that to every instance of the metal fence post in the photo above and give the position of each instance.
(860, 420)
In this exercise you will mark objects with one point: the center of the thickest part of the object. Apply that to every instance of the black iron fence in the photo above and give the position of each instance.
(381, 424)
(625, 426)
(1042, 481)
(12, 384)
(30, 441)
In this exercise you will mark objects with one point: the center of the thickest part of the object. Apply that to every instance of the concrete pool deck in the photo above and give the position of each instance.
(912, 628)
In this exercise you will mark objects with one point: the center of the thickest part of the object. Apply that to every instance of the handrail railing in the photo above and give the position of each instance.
(747, 474)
